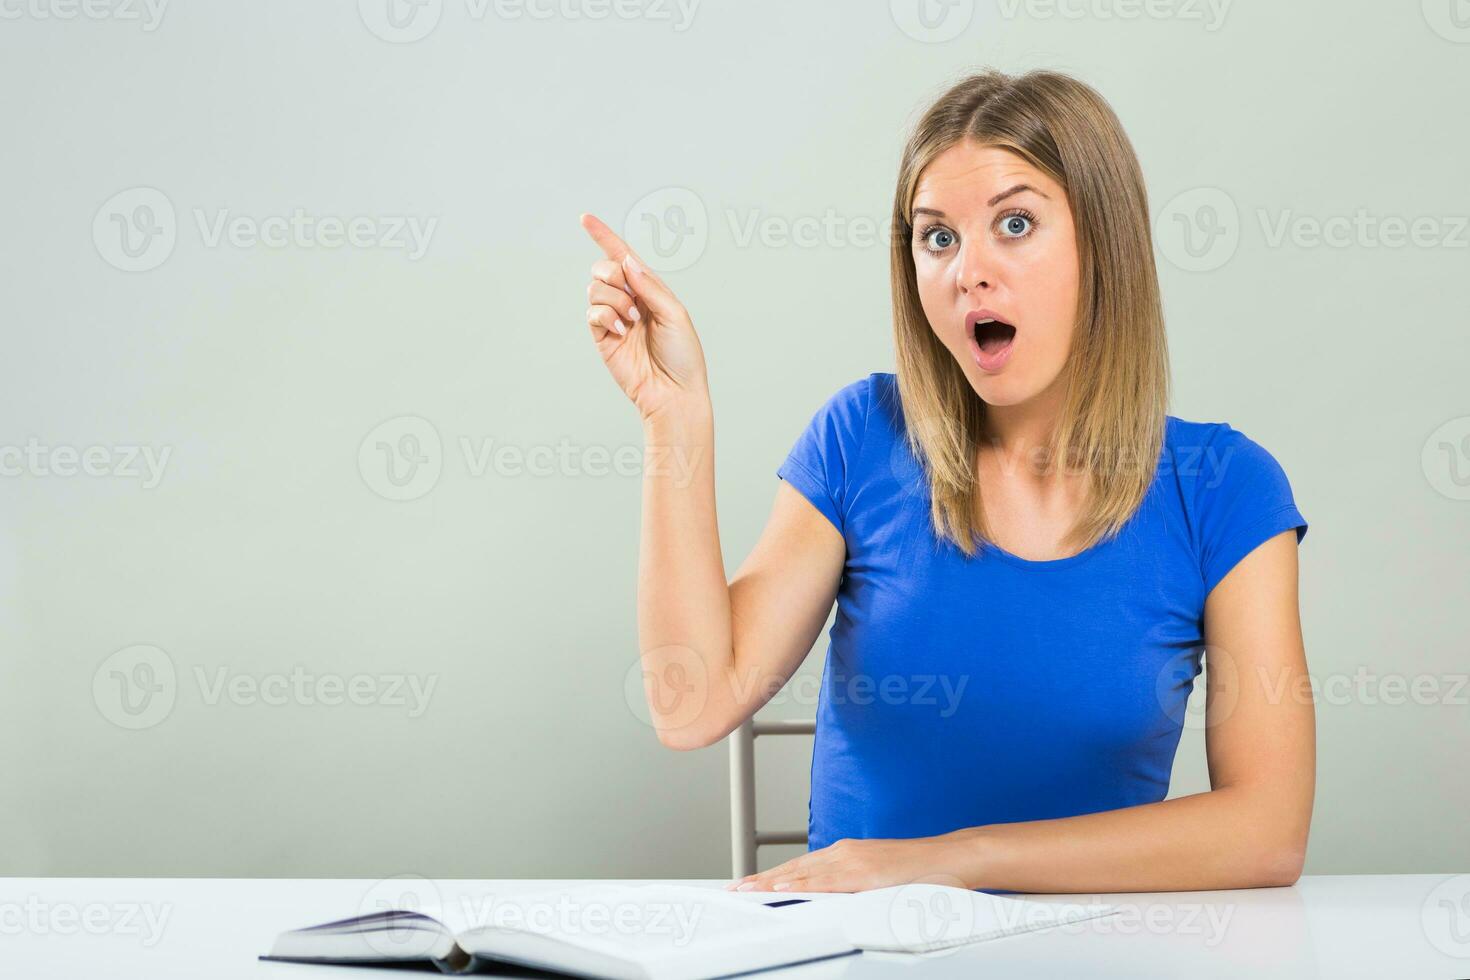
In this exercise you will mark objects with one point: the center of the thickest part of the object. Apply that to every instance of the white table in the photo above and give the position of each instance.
(1323, 926)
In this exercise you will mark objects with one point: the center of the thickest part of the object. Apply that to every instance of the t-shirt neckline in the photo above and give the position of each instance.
(1070, 560)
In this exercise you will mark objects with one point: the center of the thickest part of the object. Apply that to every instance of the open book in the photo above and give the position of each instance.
(675, 932)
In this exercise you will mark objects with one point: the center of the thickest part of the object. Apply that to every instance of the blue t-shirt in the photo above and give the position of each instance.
(960, 692)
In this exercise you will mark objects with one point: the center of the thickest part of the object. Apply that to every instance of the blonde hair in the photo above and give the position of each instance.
(1117, 371)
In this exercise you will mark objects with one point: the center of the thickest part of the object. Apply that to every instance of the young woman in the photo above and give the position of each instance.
(1030, 558)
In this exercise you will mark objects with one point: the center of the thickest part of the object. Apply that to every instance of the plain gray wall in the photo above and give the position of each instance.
(271, 542)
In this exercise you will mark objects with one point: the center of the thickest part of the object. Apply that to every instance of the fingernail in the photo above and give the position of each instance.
(747, 886)
(632, 264)
(618, 326)
(781, 887)
(634, 315)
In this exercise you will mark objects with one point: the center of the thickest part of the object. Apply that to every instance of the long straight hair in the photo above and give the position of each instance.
(1111, 427)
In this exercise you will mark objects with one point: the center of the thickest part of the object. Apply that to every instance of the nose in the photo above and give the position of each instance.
(973, 269)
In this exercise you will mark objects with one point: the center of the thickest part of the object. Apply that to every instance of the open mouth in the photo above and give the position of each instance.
(993, 336)
(991, 339)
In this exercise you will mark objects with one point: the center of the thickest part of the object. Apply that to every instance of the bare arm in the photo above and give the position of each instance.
(712, 652)
(729, 648)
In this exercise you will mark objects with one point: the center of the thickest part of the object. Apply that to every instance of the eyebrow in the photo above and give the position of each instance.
(990, 203)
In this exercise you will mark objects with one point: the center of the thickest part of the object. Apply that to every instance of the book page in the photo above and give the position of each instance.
(644, 921)
(921, 917)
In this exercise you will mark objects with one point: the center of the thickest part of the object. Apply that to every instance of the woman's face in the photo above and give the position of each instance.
(980, 245)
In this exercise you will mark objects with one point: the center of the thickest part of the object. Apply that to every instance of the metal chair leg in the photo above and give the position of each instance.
(744, 837)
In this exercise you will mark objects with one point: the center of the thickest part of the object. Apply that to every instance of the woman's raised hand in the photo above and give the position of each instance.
(641, 329)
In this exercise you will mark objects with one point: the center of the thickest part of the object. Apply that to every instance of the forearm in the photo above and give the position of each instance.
(684, 628)
(1227, 838)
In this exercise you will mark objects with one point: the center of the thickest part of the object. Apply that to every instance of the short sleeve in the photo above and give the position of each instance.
(821, 462)
(1242, 499)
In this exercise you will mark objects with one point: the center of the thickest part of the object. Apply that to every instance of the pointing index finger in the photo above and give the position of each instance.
(612, 246)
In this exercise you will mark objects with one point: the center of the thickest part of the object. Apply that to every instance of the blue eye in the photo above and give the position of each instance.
(1017, 224)
(934, 234)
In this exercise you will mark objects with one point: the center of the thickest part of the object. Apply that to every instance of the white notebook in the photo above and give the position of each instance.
(673, 932)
